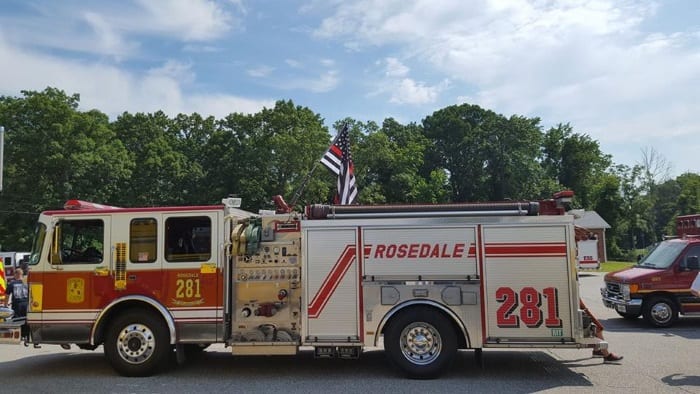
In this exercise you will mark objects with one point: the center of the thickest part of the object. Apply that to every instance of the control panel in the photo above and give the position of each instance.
(267, 294)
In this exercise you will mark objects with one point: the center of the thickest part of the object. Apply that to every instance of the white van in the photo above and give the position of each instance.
(12, 260)
(587, 258)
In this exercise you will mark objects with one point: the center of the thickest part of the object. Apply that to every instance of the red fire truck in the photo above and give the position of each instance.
(658, 287)
(420, 280)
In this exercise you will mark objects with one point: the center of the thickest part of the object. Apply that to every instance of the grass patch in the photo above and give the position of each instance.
(611, 266)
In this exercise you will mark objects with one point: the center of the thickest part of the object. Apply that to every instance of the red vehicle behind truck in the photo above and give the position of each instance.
(658, 287)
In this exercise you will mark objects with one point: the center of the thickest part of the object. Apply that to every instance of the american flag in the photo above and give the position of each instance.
(339, 160)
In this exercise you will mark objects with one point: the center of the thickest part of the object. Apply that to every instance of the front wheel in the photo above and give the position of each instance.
(137, 343)
(660, 312)
(421, 342)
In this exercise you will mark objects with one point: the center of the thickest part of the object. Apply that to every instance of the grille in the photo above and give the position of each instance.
(613, 288)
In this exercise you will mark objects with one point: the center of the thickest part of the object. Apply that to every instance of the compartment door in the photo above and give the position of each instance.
(527, 286)
(332, 292)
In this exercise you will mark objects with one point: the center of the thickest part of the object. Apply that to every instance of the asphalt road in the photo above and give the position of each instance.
(656, 361)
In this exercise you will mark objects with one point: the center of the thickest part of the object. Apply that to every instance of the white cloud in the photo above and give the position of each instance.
(112, 29)
(293, 63)
(325, 82)
(107, 40)
(191, 20)
(394, 68)
(408, 91)
(260, 71)
(402, 89)
(327, 62)
(174, 70)
(113, 90)
(588, 62)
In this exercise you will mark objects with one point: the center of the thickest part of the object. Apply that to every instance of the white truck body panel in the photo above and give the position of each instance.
(515, 274)
(527, 265)
(332, 290)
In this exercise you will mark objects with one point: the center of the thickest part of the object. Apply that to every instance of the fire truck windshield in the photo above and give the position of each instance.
(37, 243)
(662, 255)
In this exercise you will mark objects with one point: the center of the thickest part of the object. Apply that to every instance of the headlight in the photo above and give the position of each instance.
(625, 291)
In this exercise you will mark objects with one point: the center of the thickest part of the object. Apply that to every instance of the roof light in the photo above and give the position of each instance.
(75, 205)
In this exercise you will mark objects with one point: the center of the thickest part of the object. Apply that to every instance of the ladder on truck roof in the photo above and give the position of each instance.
(322, 211)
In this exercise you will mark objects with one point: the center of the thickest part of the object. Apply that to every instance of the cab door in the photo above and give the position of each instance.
(137, 267)
(80, 250)
(192, 288)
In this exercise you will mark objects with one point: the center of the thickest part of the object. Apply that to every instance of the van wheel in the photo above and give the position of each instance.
(137, 343)
(421, 342)
(660, 312)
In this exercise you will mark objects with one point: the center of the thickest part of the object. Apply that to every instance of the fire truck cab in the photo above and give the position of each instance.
(658, 286)
(423, 281)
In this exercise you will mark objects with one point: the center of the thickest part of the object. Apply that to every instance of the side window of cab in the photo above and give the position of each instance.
(78, 242)
(690, 259)
(188, 239)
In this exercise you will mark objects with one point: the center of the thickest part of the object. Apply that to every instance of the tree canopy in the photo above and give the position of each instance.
(54, 152)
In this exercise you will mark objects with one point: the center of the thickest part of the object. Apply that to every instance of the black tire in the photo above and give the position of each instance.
(629, 316)
(137, 343)
(660, 311)
(421, 342)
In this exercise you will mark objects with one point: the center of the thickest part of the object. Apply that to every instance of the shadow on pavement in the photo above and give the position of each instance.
(681, 380)
(523, 371)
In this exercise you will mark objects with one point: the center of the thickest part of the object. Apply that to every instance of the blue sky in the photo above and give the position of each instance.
(625, 72)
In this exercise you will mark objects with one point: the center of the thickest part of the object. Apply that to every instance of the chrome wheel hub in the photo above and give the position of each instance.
(421, 343)
(136, 343)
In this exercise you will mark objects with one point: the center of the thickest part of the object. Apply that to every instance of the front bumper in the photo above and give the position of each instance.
(614, 301)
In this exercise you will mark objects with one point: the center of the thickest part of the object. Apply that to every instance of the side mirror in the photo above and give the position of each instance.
(692, 263)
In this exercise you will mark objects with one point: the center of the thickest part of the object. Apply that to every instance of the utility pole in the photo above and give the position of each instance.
(2, 149)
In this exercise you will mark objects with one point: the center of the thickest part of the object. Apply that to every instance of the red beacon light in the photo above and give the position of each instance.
(75, 205)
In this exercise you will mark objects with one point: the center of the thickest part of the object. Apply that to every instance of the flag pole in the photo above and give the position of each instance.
(300, 190)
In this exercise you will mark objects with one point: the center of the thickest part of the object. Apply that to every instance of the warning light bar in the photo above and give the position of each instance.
(75, 205)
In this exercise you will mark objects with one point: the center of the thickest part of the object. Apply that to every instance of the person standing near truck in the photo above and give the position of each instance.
(18, 294)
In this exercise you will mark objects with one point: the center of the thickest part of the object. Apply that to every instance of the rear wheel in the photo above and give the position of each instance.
(137, 343)
(421, 342)
(660, 311)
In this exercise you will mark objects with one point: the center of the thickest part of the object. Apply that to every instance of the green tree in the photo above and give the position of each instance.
(459, 136)
(487, 156)
(574, 160)
(608, 203)
(160, 169)
(390, 165)
(268, 153)
(54, 153)
(513, 169)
